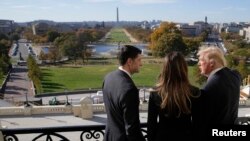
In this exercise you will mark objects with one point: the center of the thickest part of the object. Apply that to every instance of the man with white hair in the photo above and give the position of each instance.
(220, 95)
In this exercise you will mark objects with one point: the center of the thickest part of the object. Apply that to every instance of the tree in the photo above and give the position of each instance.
(52, 35)
(192, 44)
(70, 47)
(167, 38)
(54, 55)
(15, 37)
(242, 68)
(200, 79)
(34, 73)
(4, 47)
(4, 57)
(1, 73)
(204, 35)
(3, 65)
(231, 62)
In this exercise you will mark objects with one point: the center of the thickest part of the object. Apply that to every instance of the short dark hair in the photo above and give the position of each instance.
(128, 51)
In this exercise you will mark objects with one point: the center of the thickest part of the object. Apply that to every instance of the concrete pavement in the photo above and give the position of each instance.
(18, 84)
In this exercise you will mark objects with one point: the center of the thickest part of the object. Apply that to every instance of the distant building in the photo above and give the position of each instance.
(232, 29)
(145, 25)
(40, 28)
(245, 32)
(154, 26)
(201, 24)
(6, 26)
(247, 36)
(242, 32)
(190, 30)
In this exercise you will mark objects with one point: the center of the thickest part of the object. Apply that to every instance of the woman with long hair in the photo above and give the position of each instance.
(172, 107)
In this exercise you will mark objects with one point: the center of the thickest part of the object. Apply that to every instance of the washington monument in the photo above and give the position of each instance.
(117, 15)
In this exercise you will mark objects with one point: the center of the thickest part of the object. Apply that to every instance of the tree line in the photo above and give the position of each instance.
(74, 45)
(5, 45)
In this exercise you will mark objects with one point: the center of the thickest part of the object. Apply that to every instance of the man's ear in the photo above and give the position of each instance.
(129, 61)
(211, 63)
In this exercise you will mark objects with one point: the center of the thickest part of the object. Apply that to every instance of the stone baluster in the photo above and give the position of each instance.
(86, 108)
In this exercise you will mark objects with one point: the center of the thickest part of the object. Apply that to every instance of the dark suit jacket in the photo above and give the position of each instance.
(121, 99)
(169, 126)
(220, 99)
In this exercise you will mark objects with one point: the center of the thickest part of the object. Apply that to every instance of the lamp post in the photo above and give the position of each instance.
(27, 101)
(67, 99)
(144, 95)
(26, 95)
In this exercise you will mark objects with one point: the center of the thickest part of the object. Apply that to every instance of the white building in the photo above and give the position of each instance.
(245, 32)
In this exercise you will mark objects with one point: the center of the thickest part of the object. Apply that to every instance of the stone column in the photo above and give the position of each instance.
(86, 108)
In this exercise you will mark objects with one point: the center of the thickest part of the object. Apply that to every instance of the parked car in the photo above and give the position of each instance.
(21, 63)
(97, 98)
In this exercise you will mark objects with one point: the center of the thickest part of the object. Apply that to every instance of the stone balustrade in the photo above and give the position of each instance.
(86, 109)
(11, 111)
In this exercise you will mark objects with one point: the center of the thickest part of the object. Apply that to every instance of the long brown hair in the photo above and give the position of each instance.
(173, 85)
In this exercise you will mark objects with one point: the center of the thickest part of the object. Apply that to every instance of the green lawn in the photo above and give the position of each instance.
(56, 79)
(117, 35)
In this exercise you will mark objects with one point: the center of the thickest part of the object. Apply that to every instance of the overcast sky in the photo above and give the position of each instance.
(129, 10)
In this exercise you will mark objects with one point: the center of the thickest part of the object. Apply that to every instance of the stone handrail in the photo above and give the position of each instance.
(98, 108)
(56, 109)
(11, 111)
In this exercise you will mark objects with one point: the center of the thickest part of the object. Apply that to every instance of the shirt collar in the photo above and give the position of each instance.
(120, 68)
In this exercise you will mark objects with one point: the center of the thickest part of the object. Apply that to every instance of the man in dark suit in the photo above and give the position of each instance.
(121, 98)
(220, 95)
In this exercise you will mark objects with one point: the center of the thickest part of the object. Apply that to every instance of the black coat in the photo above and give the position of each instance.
(220, 99)
(121, 99)
(169, 126)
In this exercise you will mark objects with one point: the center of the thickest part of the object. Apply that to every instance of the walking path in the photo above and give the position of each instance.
(132, 39)
(18, 84)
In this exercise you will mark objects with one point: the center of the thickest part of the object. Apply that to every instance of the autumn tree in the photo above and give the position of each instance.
(34, 73)
(167, 38)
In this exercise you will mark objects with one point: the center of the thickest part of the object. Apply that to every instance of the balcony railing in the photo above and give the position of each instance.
(90, 132)
(85, 133)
